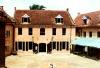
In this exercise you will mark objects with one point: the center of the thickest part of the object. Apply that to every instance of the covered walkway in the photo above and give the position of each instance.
(86, 46)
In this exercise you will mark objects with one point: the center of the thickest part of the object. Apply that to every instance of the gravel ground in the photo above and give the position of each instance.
(55, 60)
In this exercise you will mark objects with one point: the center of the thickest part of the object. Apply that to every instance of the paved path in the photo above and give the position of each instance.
(55, 60)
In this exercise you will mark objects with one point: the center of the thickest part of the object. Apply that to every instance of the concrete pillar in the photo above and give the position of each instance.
(38, 48)
(46, 47)
(52, 45)
(59, 45)
(56, 45)
(66, 45)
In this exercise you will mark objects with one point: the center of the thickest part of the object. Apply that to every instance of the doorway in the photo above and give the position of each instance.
(42, 47)
(35, 48)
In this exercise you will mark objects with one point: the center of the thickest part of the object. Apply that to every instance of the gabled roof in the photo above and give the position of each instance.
(94, 19)
(5, 17)
(43, 17)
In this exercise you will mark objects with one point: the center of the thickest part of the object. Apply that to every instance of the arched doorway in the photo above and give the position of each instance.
(42, 47)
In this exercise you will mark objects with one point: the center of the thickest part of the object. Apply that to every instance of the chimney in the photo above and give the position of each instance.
(1, 7)
(15, 8)
(78, 13)
(67, 9)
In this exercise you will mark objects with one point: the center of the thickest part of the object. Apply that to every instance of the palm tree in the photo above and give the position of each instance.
(37, 7)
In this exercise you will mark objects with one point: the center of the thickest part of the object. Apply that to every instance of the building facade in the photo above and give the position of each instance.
(88, 25)
(9, 31)
(43, 30)
(88, 33)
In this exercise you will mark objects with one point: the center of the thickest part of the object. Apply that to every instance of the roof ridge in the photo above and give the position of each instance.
(41, 10)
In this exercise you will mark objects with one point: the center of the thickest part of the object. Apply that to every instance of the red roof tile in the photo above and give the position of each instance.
(93, 16)
(5, 17)
(42, 17)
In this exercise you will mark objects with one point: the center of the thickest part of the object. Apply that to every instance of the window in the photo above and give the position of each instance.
(30, 45)
(30, 31)
(16, 45)
(19, 31)
(7, 34)
(42, 31)
(26, 46)
(84, 34)
(67, 45)
(20, 45)
(23, 46)
(59, 20)
(25, 19)
(63, 45)
(90, 34)
(54, 45)
(98, 34)
(85, 21)
(54, 31)
(85, 18)
(63, 31)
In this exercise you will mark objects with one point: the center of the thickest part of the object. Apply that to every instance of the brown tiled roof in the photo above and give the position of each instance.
(42, 17)
(94, 18)
(5, 17)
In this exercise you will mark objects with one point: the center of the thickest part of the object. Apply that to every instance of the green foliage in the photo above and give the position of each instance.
(37, 7)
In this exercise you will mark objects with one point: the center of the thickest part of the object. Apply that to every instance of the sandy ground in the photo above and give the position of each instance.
(55, 60)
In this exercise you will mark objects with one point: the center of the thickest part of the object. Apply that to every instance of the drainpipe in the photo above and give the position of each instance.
(70, 37)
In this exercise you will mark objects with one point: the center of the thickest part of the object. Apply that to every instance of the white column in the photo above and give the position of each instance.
(56, 45)
(52, 45)
(65, 45)
(59, 45)
(46, 47)
(38, 48)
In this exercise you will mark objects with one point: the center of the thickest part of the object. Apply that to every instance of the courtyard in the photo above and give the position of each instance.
(60, 59)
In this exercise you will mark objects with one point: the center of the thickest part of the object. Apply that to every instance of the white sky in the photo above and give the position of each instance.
(75, 6)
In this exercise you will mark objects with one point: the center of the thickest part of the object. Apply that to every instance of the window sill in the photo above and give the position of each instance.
(25, 23)
(59, 23)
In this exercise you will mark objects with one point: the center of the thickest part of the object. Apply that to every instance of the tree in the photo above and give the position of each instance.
(37, 7)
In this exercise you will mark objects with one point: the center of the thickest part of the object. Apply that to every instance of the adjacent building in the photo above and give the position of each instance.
(88, 33)
(7, 26)
(6, 36)
(43, 30)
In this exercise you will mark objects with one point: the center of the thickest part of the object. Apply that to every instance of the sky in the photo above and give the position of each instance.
(75, 6)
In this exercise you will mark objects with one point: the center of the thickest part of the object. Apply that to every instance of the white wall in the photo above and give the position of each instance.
(37, 38)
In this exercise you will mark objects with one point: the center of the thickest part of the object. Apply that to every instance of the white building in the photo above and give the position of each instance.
(43, 30)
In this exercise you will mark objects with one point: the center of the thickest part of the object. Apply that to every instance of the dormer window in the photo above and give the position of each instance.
(85, 19)
(25, 19)
(59, 19)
